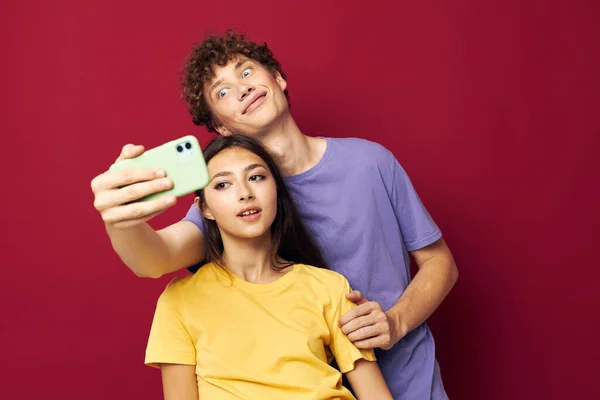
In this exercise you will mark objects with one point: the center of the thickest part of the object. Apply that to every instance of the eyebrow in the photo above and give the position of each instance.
(247, 169)
(217, 83)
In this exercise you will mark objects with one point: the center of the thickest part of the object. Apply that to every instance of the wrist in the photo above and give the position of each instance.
(397, 313)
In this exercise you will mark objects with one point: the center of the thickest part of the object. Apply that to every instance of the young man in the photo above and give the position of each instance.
(353, 195)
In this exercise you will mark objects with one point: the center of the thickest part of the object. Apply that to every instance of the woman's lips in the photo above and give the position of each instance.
(251, 217)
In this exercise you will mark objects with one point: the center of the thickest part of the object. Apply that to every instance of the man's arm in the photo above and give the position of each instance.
(179, 382)
(151, 254)
(369, 326)
(436, 276)
(146, 252)
(367, 381)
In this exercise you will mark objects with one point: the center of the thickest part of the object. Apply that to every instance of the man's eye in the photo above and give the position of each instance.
(246, 72)
(223, 92)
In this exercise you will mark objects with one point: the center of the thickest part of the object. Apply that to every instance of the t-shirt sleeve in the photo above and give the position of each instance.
(417, 227)
(344, 351)
(193, 215)
(169, 341)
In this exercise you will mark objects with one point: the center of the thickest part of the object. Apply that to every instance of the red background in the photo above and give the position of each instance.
(490, 106)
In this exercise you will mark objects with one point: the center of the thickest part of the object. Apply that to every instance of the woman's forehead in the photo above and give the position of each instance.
(234, 158)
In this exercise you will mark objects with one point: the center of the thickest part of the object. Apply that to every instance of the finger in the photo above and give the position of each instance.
(363, 333)
(117, 179)
(124, 151)
(371, 343)
(357, 323)
(356, 312)
(386, 346)
(142, 210)
(130, 151)
(117, 197)
(356, 297)
(140, 190)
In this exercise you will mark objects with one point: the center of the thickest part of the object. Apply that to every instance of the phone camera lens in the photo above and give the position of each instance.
(179, 148)
(188, 145)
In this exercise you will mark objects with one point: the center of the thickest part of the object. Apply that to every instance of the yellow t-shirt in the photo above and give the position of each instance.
(257, 341)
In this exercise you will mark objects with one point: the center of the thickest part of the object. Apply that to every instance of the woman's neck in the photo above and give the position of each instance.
(294, 152)
(251, 259)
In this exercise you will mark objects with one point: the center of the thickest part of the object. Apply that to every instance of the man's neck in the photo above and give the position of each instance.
(294, 152)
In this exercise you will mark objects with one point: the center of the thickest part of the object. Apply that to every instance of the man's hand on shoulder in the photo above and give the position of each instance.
(368, 326)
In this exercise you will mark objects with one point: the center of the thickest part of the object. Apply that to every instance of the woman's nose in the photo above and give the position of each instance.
(246, 193)
(247, 196)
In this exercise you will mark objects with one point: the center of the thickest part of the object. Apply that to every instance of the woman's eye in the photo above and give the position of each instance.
(222, 93)
(257, 177)
(246, 72)
(221, 185)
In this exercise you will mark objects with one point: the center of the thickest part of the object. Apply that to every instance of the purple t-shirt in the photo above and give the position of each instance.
(365, 215)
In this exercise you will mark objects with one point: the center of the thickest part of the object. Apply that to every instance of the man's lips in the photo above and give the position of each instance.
(254, 99)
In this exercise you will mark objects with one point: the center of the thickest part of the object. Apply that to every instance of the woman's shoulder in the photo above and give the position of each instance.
(322, 275)
(204, 275)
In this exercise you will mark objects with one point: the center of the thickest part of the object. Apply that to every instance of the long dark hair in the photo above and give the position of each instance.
(289, 237)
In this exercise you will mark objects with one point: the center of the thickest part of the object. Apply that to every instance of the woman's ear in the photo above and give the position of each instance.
(203, 209)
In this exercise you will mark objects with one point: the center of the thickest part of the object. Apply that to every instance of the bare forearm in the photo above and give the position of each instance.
(179, 382)
(367, 381)
(425, 293)
(141, 248)
(151, 254)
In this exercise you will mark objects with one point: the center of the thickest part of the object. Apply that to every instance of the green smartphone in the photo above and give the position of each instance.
(182, 161)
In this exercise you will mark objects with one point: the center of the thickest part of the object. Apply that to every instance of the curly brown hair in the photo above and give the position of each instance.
(218, 50)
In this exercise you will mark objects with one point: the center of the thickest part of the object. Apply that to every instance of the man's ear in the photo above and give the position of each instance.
(203, 209)
(222, 130)
(280, 81)
(219, 127)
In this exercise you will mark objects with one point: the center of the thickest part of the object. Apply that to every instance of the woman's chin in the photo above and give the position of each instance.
(254, 233)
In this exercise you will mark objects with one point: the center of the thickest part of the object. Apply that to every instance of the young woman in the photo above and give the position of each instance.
(260, 320)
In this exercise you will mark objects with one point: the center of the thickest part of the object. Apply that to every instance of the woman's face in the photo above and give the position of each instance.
(241, 196)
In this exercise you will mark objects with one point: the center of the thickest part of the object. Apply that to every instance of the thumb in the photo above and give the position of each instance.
(356, 297)
(130, 151)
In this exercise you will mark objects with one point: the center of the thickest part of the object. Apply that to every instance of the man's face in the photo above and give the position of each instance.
(245, 98)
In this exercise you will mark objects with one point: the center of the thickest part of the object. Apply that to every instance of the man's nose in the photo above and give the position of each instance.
(245, 91)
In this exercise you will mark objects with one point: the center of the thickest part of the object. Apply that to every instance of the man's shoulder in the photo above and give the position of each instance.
(360, 150)
(370, 156)
(355, 144)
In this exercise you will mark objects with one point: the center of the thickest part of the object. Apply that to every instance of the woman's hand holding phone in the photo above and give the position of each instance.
(116, 192)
